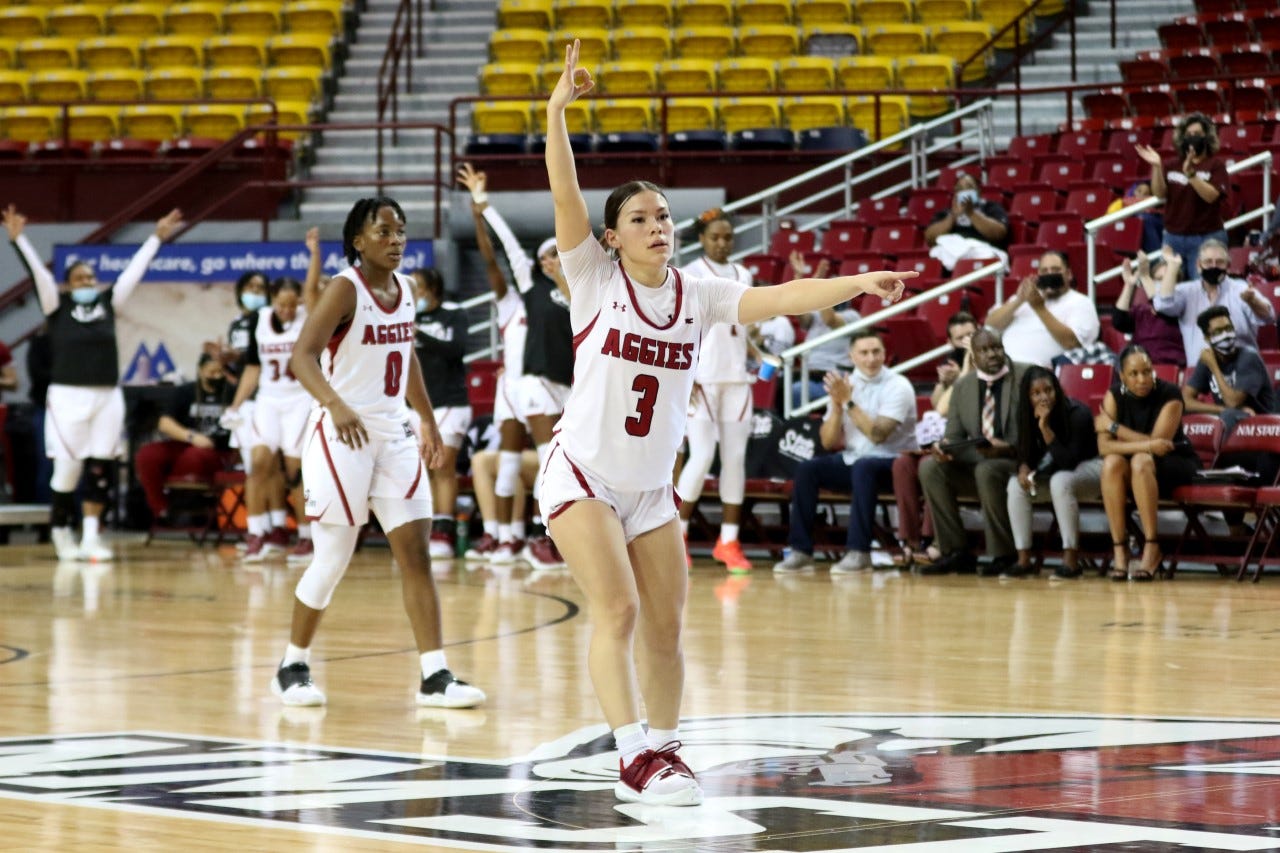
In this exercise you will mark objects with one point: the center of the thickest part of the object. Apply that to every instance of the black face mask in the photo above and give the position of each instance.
(1213, 275)
(1050, 281)
(1196, 145)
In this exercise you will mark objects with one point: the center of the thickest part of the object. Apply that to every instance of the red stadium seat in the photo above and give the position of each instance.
(1268, 30)
(1181, 34)
(1106, 104)
(787, 240)
(1247, 59)
(930, 268)
(1215, 7)
(1078, 143)
(1031, 201)
(813, 266)
(1058, 170)
(1168, 372)
(1244, 96)
(948, 175)
(1060, 229)
(1122, 141)
(1024, 260)
(1110, 168)
(1109, 335)
(1088, 199)
(924, 203)
(937, 312)
(1271, 358)
(482, 386)
(1005, 173)
(1154, 101)
(1196, 64)
(1030, 147)
(1230, 29)
(1200, 98)
(765, 268)
(1270, 290)
(894, 236)
(856, 263)
(907, 337)
(873, 211)
(1238, 137)
(844, 236)
(1123, 237)
(1144, 70)
(1085, 382)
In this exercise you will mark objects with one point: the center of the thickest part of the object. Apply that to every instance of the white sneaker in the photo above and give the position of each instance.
(443, 690)
(294, 686)
(650, 779)
(64, 543)
(796, 561)
(94, 550)
(507, 552)
(853, 562)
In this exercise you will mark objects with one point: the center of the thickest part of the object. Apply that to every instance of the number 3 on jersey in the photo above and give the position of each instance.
(647, 387)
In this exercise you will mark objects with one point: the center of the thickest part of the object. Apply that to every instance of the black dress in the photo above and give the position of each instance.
(1177, 467)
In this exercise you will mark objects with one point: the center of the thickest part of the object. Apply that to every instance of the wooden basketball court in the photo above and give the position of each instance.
(878, 711)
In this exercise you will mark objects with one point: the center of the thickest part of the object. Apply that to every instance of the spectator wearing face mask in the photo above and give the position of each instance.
(1193, 186)
(1045, 317)
(1232, 373)
(1248, 309)
(970, 216)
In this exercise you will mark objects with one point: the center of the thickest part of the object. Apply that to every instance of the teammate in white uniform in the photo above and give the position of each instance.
(277, 421)
(607, 479)
(720, 410)
(362, 453)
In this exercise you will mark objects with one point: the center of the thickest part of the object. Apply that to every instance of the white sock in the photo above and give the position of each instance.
(659, 738)
(293, 654)
(279, 518)
(259, 525)
(517, 530)
(728, 533)
(304, 531)
(505, 534)
(631, 742)
(432, 662)
(91, 526)
(492, 528)
(684, 528)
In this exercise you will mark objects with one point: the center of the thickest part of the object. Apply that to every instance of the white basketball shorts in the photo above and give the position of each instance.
(721, 402)
(564, 483)
(84, 422)
(506, 401)
(280, 423)
(539, 396)
(453, 423)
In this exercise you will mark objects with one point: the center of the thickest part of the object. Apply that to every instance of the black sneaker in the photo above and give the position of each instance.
(961, 562)
(443, 690)
(294, 686)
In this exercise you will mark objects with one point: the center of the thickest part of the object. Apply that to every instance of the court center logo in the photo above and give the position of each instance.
(778, 783)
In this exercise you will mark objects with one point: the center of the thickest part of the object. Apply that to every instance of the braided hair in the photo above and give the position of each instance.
(362, 212)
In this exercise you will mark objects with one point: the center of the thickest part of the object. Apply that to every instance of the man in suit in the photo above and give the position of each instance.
(976, 457)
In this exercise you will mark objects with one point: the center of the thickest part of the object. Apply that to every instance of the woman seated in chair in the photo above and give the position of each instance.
(1145, 452)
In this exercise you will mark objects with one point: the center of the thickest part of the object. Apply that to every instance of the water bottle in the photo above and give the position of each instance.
(462, 516)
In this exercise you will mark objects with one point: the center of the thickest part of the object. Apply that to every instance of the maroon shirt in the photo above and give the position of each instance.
(1184, 211)
(1159, 335)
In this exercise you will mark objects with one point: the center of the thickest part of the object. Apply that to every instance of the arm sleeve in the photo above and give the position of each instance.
(46, 287)
(133, 273)
(717, 299)
(518, 259)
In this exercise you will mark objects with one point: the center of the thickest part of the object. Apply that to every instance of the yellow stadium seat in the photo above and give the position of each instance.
(526, 14)
(239, 51)
(504, 78)
(687, 75)
(232, 82)
(252, 18)
(834, 40)
(293, 83)
(301, 49)
(625, 115)
(704, 13)
(704, 42)
(998, 13)
(584, 14)
(752, 13)
(1052, 7)
(593, 45)
(500, 117)
(106, 52)
(897, 39)
(81, 20)
(32, 124)
(747, 74)
(286, 112)
(644, 13)
(749, 114)
(961, 40)
(215, 121)
(22, 22)
(522, 46)
(319, 17)
(810, 12)
(867, 73)
(57, 85)
(13, 85)
(136, 19)
(933, 12)
(577, 116)
(642, 44)
(874, 12)
(194, 19)
(806, 113)
(46, 53)
(775, 41)
(627, 78)
(893, 116)
(151, 121)
(93, 123)
(8, 53)
(549, 74)
(175, 84)
(806, 73)
(173, 52)
(117, 84)
(685, 114)
(927, 71)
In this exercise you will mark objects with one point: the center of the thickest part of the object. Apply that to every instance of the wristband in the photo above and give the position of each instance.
(479, 196)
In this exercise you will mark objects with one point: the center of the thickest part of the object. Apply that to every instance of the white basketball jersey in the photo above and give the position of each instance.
(275, 348)
(367, 363)
(514, 328)
(724, 346)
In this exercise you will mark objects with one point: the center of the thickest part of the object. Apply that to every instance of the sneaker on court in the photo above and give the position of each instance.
(507, 553)
(276, 542)
(651, 779)
(440, 547)
(255, 549)
(64, 543)
(482, 549)
(730, 553)
(294, 686)
(302, 552)
(94, 550)
(852, 563)
(443, 690)
(671, 752)
(542, 554)
(796, 561)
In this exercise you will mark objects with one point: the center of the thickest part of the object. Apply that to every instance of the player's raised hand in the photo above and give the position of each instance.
(169, 224)
(312, 239)
(471, 179)
(887, 285)
(14, 222)
(574, 82)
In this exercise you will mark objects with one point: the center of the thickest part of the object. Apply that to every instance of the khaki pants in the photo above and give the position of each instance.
(944, 482)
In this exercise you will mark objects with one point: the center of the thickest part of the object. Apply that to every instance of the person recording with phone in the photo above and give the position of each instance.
(970, 215)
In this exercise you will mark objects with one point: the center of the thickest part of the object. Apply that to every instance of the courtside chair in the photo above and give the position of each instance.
(136, 19)
(194, 19)
(526, 15)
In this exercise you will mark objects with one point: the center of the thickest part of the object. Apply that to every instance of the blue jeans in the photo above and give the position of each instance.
(863, 479)
(816, 392)
(1188, 245)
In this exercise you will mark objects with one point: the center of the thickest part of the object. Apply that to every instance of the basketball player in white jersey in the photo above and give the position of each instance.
(84, 424)
(607, 479)
(355, 356)
(720, 411)
(277, 421)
